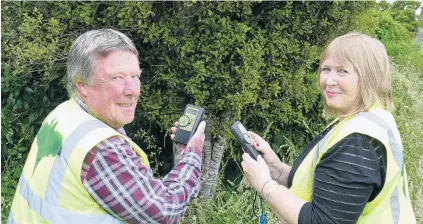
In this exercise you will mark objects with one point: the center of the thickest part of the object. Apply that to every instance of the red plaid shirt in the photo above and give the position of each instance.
(116, 178)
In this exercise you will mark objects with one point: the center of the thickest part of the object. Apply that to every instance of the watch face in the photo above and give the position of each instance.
(184, 121)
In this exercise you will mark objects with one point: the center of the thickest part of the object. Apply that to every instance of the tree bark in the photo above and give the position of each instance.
(207, 152)
(176, 154)
(209, 179)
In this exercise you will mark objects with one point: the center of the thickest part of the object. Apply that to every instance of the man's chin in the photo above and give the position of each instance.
(124, 122)
(128, 121)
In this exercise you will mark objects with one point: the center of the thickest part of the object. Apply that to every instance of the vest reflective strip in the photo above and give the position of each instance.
(54, 185)
(396, 150)
(48, 208)
(317, 152)
(10, 218)
(395, 205)
(54, 214)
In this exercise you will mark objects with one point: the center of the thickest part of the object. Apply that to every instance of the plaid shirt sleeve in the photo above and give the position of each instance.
(116, 178)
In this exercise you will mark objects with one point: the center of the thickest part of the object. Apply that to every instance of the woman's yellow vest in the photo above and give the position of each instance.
(50, 188)
(392, 205)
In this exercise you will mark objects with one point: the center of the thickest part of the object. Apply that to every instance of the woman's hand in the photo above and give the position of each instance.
(256, 172)
(272, 160)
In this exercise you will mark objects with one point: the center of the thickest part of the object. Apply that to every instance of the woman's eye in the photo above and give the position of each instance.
(342, 71)
(116, 77)
(135, 76)
(325, 70)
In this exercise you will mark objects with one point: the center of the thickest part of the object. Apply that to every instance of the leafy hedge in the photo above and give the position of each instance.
(246, 60)
(253, 61)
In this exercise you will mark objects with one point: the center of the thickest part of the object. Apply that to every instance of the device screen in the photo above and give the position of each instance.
(192, 112)
(241, 128)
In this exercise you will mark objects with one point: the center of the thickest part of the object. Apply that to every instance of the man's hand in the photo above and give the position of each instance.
(197, 140)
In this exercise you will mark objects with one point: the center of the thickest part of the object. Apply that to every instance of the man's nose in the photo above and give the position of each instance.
(132, 87)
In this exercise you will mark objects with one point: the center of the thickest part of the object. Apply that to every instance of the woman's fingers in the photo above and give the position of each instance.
(257, 146)
(254, 136)
(260, 159)
(259, 143)
(246, 158)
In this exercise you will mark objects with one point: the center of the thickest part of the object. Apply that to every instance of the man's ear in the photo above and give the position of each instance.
(82, 88)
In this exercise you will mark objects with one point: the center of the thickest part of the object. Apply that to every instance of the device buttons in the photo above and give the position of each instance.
(184, 121)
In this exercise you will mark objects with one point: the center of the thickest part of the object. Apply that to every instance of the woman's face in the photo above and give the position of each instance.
(339, 85)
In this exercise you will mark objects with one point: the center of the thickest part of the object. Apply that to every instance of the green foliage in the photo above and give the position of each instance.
(396, 25)
(248, 61)
(404, 12)
(148, 143)
(395, 36)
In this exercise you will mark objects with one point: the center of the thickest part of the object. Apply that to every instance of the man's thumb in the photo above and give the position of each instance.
(201, 127)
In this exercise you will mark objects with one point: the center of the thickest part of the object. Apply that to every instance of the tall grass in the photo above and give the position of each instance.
(408, 100)
(231, 204)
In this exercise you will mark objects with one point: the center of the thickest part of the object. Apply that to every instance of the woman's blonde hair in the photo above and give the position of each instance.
(368, 57)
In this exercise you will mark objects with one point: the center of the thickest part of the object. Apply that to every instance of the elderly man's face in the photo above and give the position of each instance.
(116, 87)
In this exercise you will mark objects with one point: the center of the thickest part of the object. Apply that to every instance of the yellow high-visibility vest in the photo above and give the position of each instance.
(392, 205)
(50, 188)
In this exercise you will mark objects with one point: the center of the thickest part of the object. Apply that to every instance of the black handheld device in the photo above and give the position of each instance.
(242, 137)
(188, 123)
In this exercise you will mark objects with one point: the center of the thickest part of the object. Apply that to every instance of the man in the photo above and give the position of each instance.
(82, 168)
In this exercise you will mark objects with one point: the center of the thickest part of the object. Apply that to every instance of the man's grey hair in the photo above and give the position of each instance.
(86, 48)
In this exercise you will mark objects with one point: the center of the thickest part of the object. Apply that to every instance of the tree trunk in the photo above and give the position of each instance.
(176, 154)
(209, 179)
(207, 152)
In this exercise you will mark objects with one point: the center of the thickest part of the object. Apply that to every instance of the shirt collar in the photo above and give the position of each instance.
(83, 105)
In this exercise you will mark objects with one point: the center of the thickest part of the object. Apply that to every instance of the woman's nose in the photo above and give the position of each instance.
(330, 79)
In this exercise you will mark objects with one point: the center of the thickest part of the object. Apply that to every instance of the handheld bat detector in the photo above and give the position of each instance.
(244, 139)
(188, 123)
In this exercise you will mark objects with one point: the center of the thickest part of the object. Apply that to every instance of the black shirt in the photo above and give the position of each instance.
(349, 175)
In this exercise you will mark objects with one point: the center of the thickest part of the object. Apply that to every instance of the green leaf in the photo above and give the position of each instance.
(29, 90)
(49, 141)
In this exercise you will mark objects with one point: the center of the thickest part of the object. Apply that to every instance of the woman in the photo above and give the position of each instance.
(353, 171)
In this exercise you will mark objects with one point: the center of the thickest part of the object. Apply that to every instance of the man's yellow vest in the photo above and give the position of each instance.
(392, 205)
(50, 188)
